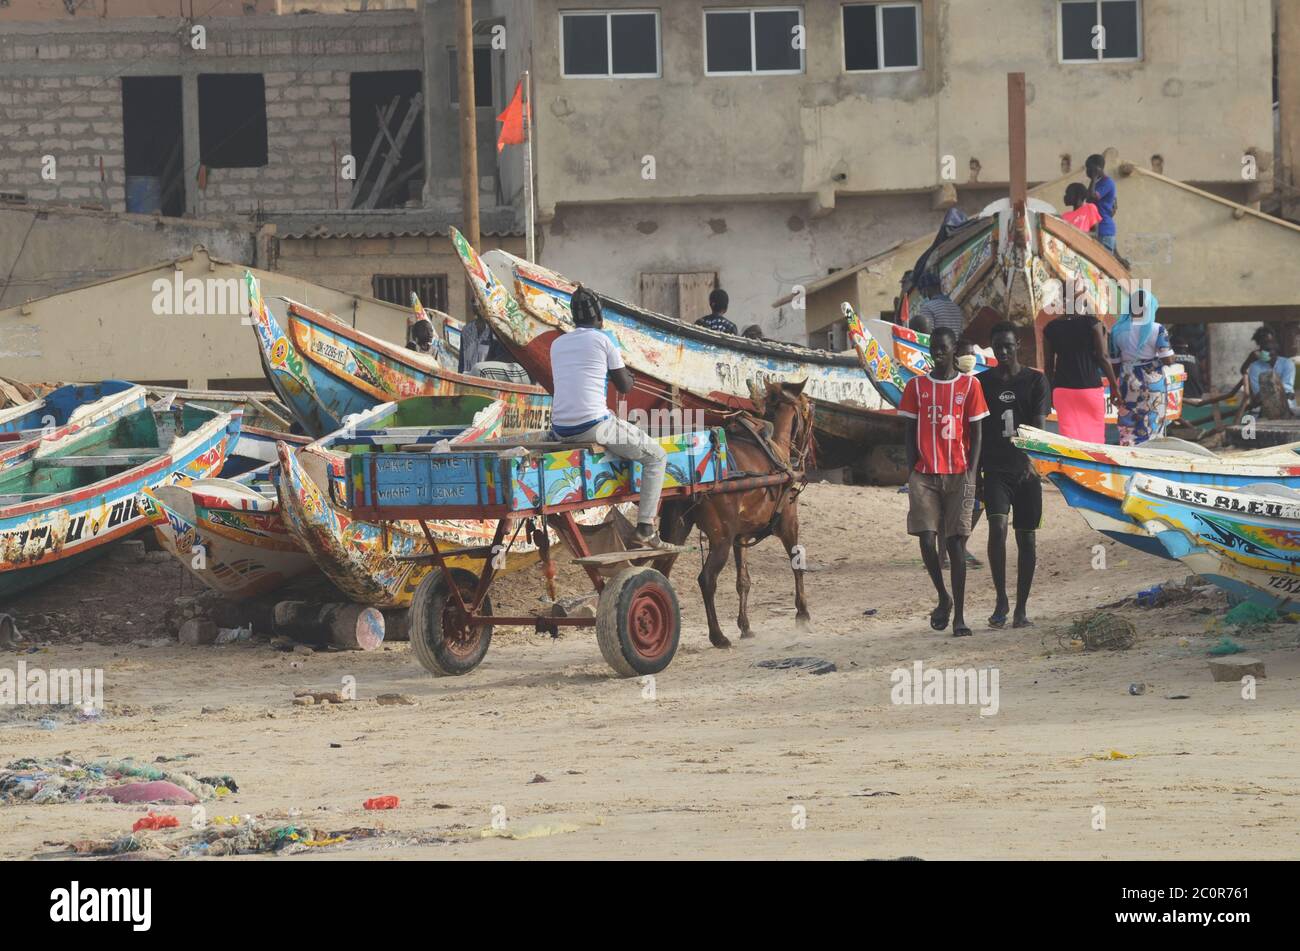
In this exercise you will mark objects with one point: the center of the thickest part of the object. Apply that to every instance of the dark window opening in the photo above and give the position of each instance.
(1118, 38)
(390, 167)
(482, 77)
(882, 36)
(232, 120)
(151, 127)
(752, 41)
(610, 44)
(397, 289)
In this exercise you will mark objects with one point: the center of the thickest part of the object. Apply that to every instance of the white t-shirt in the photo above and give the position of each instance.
(580, 363)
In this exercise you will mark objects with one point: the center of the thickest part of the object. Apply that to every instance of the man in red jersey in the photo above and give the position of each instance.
(943, 451)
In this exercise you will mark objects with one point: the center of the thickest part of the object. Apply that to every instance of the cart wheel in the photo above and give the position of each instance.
(445, 643)
(638, 622)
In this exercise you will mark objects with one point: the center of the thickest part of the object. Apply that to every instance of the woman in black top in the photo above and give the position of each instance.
(1075, 361)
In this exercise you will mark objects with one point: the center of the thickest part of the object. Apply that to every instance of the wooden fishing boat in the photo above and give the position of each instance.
(26, 429)
(1246, 541)
(227, 533)
(64, 507)
(680, 366)
(246, 547)
(1093, 476)
(324, 371)
(265, 421)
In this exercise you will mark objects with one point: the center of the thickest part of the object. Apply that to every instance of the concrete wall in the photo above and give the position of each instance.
(1200, 97)
(61, 95)
(1288, 46)
(51, 250)
(110, 329)
(348, 264)
(57, 10)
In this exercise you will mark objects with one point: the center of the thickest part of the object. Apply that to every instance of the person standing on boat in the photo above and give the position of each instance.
(715, 319)
(1101, 192)
(1076, 360)
(1010, 487)
(1139, 348)
(582, 363)
(1083, 214)
(938, 309)
(943, 454)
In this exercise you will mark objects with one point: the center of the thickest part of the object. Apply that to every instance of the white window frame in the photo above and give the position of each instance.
(1100, 60)
(753, 41)
(880, 40)
(609, 45)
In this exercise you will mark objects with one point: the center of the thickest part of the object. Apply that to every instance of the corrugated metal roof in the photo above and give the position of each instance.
(395, 223)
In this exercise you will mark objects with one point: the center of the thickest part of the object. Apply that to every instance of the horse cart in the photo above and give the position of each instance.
(527, 489)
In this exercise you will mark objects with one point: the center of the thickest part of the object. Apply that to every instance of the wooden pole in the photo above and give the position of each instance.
(468, 125)
(531, 239)
(1016, 137)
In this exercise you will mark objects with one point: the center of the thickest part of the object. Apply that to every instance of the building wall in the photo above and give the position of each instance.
(61, 95)
(111, 330)
(1199, 98)
(349, 264)
(57, 10)
(1288, 67)
(51, 250)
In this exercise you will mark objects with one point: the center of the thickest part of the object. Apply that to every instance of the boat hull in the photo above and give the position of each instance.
(325, 371)
(25, 431)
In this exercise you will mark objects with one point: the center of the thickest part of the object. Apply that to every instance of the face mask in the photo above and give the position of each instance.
(966, 363)
(1265, 356)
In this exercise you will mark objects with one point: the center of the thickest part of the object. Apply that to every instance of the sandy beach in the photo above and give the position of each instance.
(719, 758)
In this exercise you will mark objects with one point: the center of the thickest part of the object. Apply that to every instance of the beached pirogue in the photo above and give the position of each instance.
(325, 371)
(65, 410)
(681, 366)
(77, 494)
(251, 537)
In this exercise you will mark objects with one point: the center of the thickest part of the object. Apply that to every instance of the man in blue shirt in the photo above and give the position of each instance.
(1101, 192)
(1268, 359)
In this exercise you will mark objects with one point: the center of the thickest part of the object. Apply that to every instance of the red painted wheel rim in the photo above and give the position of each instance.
(460, 636)
(650, 622)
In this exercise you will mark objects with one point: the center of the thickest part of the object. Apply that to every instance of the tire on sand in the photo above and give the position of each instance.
(444, 643)
(638, 622)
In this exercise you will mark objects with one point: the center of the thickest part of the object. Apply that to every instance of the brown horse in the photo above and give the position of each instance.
(733, 521)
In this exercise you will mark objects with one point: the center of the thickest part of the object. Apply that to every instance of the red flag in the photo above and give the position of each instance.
(512, 120)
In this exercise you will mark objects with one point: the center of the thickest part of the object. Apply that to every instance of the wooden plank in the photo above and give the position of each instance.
(395, 155)
(693, 294)
(634, 554)
(475, 551)
(360, 182)
(126, 457)
(1016, 137)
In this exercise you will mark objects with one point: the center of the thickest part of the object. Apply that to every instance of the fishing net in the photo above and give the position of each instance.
(1103, 631)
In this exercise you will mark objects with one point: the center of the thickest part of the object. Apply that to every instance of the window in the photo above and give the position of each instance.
(624, 44)
(882, 36)
(232, 120)
(482, 77)
(1096, 30)
(764, 40)
(396, 289)
(390, 160)
(151, 127)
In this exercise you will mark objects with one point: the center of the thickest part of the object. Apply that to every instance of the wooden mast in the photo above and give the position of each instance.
(468, 124)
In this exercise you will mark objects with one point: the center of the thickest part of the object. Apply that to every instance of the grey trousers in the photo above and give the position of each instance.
(626, 441)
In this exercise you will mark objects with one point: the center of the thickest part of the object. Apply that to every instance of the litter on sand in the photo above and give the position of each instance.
(814, 665)
(1225, 647)
(382, 802)
(64, 779)
(1102, 630)
(151, 821)
(1248, 615)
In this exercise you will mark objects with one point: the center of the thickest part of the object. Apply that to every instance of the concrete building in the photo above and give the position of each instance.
(707, 148)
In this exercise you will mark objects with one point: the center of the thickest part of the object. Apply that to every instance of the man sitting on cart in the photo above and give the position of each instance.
(581, 362)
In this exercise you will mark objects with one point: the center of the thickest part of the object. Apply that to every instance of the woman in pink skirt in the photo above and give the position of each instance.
(1075, 361)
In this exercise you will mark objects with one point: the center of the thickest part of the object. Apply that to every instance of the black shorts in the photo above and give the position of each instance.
(1020, 493)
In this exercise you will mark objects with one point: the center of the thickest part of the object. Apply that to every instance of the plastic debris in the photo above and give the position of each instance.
(152, 821)
(536, 832)
(1102, 630)
(64, 779)
(48, 723)
(229, 635)
(1225, 647)
(1248, 615)
(1114, 754)
(814, 665)
(382, 802)
(1137, 689)
(154, 791)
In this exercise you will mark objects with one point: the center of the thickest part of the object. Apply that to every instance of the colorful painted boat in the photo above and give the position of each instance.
(324, 371)
(680, 366)
(1093, 476)
(892, 354)
(65, 410)
(265, 421)
(227, 533)
(1246, 541)
(83, 493)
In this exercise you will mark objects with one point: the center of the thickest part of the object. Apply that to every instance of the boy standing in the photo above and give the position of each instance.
(1018, 395)
(943, 450)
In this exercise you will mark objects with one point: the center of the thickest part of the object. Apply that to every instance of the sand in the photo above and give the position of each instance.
(728, 760)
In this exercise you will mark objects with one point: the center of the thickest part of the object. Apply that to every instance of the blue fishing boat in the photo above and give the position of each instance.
(65, 506)
(1093, 477)
(61, 412)
(1246, 541)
